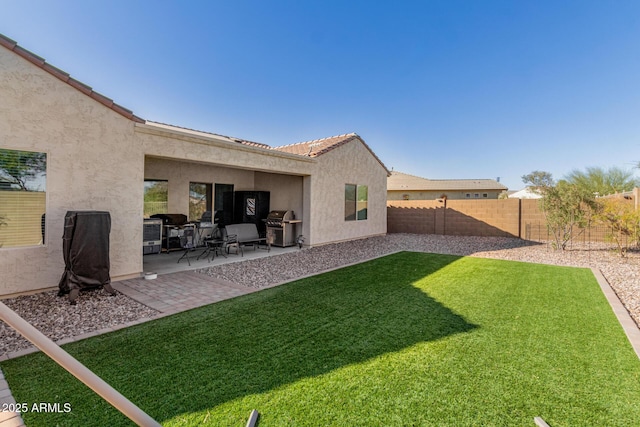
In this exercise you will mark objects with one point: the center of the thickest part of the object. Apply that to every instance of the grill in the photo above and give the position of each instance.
(280, 228)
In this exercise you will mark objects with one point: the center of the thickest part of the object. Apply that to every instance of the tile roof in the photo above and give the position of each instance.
(318, 147)
(200, 132)
(311, 149)
(65, 77)
(401, 181)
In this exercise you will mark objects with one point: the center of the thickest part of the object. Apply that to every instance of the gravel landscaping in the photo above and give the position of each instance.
(98, 310)
(57, 319)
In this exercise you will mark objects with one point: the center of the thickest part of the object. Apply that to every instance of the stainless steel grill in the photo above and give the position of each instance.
(280, 228)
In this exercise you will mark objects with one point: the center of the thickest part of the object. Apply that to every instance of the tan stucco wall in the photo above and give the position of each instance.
(286, 192)
(91, 165)
(351, 163)
(433, 195)
(179, 174)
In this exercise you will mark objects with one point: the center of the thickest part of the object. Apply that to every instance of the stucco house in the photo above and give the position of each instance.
(94, 154)
(402, 186)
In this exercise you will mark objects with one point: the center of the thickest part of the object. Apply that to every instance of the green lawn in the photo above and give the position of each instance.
(408, 339)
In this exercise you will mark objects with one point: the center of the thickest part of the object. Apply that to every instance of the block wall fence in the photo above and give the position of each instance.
(520, 218)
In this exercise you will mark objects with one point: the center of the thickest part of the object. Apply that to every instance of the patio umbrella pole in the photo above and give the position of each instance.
(76, 368)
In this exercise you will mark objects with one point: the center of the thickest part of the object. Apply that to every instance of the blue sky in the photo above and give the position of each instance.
(441, 89)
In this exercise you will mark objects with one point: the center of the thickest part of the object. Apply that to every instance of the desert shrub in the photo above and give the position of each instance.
(623, 219)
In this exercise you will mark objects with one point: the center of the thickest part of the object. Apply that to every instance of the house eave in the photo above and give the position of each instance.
(214, 141)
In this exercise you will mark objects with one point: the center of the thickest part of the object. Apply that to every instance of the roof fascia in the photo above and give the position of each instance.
(216, 141)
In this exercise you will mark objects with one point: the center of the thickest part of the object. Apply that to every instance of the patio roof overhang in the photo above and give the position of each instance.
(204, 140)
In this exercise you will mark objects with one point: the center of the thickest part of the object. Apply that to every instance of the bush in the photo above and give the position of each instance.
(566, 207)
(624, 220)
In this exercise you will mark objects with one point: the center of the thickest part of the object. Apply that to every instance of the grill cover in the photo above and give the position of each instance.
(85, 247)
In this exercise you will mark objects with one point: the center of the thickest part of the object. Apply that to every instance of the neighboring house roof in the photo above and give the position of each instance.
(399, 181)
(525, 193)
(318, 147)
(65, 77)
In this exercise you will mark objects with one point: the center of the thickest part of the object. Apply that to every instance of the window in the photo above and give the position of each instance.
(468, 195)
(485, 195)
(23, 176)
(156, 197)
(476, 196)
(200, 200)
(355, 202)
(363, 196)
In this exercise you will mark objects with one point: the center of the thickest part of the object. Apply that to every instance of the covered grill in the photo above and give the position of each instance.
(85, 248)
(281, 228)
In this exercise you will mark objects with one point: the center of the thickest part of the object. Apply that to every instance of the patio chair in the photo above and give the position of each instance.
(228, 241)
(214, 243)
(232, 242)
(187, 241)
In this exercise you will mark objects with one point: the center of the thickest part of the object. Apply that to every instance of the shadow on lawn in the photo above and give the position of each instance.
(197, 360)
(312, 327)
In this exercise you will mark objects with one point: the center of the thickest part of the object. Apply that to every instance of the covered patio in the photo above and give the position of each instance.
(218, 186)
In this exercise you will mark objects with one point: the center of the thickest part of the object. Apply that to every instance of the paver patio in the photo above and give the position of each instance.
(175, 292)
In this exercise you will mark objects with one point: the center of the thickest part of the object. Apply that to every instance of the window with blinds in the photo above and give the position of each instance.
(22, 198)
